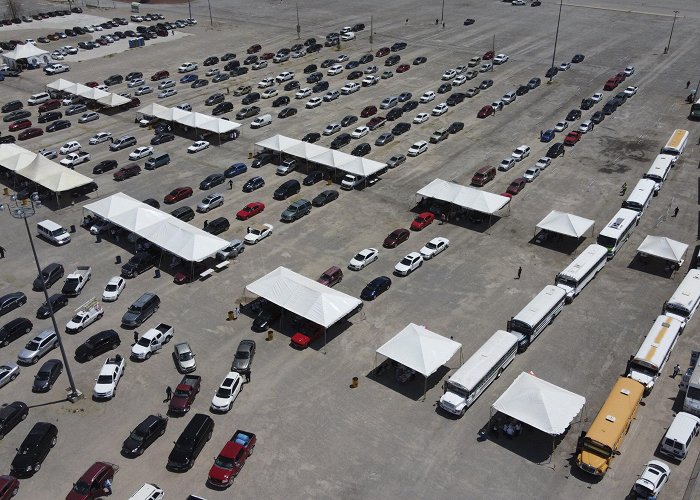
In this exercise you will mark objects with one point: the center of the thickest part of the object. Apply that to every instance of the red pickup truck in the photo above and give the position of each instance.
(184, 395)
(231, 459)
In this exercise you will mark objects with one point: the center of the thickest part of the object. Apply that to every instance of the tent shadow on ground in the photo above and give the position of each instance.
(557, 242)
(652, 265)
(384, 374)
(532, 445)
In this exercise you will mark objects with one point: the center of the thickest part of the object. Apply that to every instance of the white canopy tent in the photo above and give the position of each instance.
(663, 248)
(540, 404)
(566, 224)
(107, 99)
(304, 297)
(464, 196)
(59, 84)
(162, 229)
(278, 143)
(192, 119)
(420, 350)
(28, 51)
(112, 100)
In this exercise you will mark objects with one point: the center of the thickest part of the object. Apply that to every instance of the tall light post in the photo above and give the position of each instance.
(442, 13)
(668, 47)
(23, 211)
(298, 24)
(556, 38)
(189, 6)
(211, 19)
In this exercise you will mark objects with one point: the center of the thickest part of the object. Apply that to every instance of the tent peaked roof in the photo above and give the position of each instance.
(564, 223)
(24, 51)
(664, 248)
(303, 296)
(540, 404)
(112, 99)
(40, 169)
(420, 349)
(464, 196)
(305, 150)
(277, 142)
(60, 84)
(153, 109)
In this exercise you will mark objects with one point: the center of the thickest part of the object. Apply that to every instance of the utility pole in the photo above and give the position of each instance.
(493, 51)
(668, 47)
(556, 38)
(298, 24)
(211, 19)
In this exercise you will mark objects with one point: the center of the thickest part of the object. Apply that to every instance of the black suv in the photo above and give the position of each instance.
(557, 149)
(287, 189)
(49, 275)
(57, 300)
(10, 415)
(598, 117)
(99, 343)
(34, 449)
(105, 166)
(12, 106)
(139, 263)
(215, 99)
(50, 116)
(114, 80)
(190, 442)
(14, 330)
(217, 226)
(320, 87)
(222, 108)
(251, 98)
(262, 159)
(144, 435)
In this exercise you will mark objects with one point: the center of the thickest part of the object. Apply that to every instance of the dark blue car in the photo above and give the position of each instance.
(375, 288)
(189, 78)
(547, 135)
(235, 169)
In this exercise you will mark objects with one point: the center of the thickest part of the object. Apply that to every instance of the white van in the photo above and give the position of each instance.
(39, 98)
(645, 366)
(53, 232)
(685, 300)
(641, 195)
(659, 170)
(261, 121)
(679, 435)
(676, 144)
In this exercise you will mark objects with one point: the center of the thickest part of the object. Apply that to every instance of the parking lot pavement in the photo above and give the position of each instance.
(318, 438)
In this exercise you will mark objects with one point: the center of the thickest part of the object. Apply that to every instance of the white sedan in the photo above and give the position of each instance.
(597, 97)
(434, 247)
(141, 152)
(188, 66)
(166, 84)
(256, 233)
(8, 372)
(449, 74)
(314, 102)
(198, 146)
(565, 66)
(143, 90)
(421, 117)
(360, 132)
(302, 93)
(369, 70)
(100, 137)
(227, 393)
(115, 286)
(543, 162)
(363, 259)
(440, 109)
(336, 69)
(531, 174)
(459, 80)
(630, 91)
(408, 264)
(88, 117)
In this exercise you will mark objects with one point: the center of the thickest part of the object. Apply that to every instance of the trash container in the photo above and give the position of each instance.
(157, 273)
(118, 259)
(72, 228)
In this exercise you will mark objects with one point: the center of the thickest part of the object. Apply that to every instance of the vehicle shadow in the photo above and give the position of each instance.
(385, 374)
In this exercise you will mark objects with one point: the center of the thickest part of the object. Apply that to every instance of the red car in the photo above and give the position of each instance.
(91, 484)
(376, 122)
(489, 55)
(267, 55)
(572, 138)
(422, 221)
(383, 52)
(231, 459)
(403, 68)
(250, 210)
(178, 194)
(368, 111)
(9, 486)
(396, 237)
(30, 133)
(20, 125)
(92, 85)
(485, 111)
(311, 332)
(253, 49)
(620, 77)
(610, 84)
(160, 75)
(516, 186)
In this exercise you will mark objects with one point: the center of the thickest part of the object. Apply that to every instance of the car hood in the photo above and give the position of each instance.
(43, 312)
(26, 354)
(41, 384)
(104, 388)
(82, 352)
(402, 267)
(139, 350)
(178, 402)
(109, 295)
(218, 401)
(240, 364)
(368, 292)
(181, 457)
(219, 473)
(251, 237)
(427, 251)
(129, 317)
(21, 462)
(130, 445)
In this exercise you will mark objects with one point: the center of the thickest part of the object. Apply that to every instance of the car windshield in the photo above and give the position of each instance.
(406, 261)
(136, 437)
(360, 256)
(81, 487)
(430, 245)
(223, 392)
(42, 375)
(77, 318)
(32, 346)
(224, 462)
(186, 356)
(104, 379)
(111, 288)
(242, 355)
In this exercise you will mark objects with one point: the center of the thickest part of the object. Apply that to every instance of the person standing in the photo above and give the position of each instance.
(675, 212)
(168, 394)
(676, 370)
(2, 252)
(230, 183)
(136, 337)
(520, 272)
(246, 373)
(687, 84)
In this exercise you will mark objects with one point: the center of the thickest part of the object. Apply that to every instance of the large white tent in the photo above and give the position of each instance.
(162, 229)
(304, 297)
(39, 169)
(663, 248)
(464, 196)
(60, 84)
(107, 99)
(420, 350)
(192, 119)
(540, 404)
(566, 224)
(28, 51)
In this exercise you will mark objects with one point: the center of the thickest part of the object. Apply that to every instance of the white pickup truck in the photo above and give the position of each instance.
(87, 314)
(152, 341)
(76, 281)
(107, 380)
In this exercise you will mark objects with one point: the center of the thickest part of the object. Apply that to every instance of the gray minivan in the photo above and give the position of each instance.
(296, 210)
(157, 161)
(141, 310)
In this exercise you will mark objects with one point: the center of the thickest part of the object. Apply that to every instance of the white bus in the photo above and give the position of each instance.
(581, 271)
(676, 144)
(659, 170)
(684, 302)
(645, 366)
(477, 373)
(616, 232)
(691, 403)
(640, 197)
(535, 316)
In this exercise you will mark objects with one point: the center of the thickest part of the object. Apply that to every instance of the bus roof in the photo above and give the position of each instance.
(687, 292)
(677, 139)
(616, 412)
(593, 254)
(533, 312)
(658, 341)
(482, 361)
(619, 223)
(661, 164)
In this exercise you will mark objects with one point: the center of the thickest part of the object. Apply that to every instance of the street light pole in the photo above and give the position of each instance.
(24, 212)
(189, 6)
(298, 24)
(442, 14)
(556, 38)
(668, 47)
(211, 19)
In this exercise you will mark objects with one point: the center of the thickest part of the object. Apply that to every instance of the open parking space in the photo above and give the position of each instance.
(316, 437)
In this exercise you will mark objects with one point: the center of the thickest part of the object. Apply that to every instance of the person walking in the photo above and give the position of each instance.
(2, 252)
(246, 373)
(687, 84)
(676, 370)
(230, 183)
(168, 394)
(136, 337)
(520, 272)
(675, 212)
(443, 219)
(206, 223)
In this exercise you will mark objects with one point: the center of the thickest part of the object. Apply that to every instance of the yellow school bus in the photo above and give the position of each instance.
(597, 447)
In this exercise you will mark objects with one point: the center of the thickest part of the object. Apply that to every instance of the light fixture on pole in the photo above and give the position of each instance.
(23, 210)
(668, 47)
(556, 38)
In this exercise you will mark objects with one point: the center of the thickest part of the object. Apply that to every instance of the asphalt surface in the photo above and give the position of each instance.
(317, 438)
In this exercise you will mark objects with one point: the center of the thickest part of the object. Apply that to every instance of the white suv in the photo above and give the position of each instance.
(227, 392)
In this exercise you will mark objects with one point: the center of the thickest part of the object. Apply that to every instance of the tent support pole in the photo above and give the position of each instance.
(425, 386)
